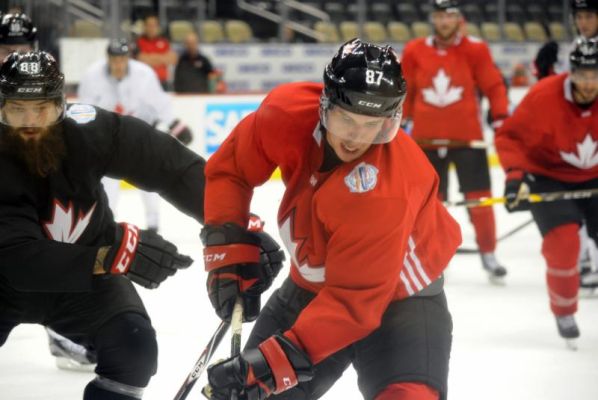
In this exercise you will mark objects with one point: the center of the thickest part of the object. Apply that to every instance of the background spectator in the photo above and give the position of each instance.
(194, 70)
(154, 49)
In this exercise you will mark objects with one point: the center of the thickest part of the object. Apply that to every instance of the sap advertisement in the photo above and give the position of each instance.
(212, 118)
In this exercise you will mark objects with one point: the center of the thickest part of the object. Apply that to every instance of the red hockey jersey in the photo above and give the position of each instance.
(549, 135)
(442, 88)
(364, 234)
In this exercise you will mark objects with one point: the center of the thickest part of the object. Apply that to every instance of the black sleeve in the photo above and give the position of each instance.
(31, 262)
(157, 162)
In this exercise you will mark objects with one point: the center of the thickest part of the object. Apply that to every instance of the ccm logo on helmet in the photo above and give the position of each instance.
(369, 104)
(29, 90)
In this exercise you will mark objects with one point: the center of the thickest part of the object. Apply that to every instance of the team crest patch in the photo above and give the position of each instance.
(81, 113)
(362, 178)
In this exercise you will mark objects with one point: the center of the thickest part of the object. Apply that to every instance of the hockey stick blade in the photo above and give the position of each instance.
(203, 361)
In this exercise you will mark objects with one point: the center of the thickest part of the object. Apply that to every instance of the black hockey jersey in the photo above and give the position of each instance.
(51, 228)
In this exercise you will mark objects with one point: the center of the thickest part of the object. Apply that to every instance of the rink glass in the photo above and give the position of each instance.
(31, 113)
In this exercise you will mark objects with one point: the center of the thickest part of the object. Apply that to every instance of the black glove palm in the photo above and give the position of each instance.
(143, 256)
(239, 263)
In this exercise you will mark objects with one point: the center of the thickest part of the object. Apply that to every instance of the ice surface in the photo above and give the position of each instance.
(505, 345)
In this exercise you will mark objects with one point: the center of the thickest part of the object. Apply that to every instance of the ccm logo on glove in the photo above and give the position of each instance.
(127, 249)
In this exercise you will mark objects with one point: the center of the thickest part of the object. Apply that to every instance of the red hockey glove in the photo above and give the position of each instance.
(516, 192)
(274, 367)
(180, 131)
(143, 256)
(239, 263)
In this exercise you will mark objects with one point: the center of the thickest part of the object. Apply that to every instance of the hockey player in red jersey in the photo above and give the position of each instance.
(549, 144)
(444, 73)
(368, 239)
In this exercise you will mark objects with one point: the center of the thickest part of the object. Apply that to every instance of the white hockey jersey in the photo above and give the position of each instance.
(138, 94)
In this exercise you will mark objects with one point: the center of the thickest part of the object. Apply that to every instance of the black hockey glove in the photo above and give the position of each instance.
(239, 263)
(180, 131)
(276, 366)
(545, 60)
(143, 256)
(516, 192)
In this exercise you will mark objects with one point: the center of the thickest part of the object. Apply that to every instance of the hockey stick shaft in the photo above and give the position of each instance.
(532, 198)
(236, 329)
(468, 250)
(473, 144)
(202, 362)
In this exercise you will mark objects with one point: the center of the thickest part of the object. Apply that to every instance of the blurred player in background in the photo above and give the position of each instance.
(585, 19)
(130, 87)
(444, 73)
(368, 237)
(17, 33)
(549, 145)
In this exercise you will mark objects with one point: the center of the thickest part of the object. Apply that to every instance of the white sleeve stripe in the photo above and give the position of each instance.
(406, 283)
(417, 262)
(412, 275)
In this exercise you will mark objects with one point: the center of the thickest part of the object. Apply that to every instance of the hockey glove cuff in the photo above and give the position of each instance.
(180, 131)
(239, 262)
(143, 256)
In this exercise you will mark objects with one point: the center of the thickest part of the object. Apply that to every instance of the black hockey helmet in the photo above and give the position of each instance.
(365, 79)
(17, 29)
(445, 5)
(583, 5)
(32, 75)
(119, 47)
(584, 54)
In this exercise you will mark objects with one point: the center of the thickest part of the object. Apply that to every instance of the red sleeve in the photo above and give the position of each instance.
(365, 261)
(241, 163)
(408, 66)
(515, 135)
(490, 81)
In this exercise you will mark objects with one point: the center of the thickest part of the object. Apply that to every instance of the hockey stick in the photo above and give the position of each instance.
(472, 144)
(202, 362)
(466, 250)
(532, 198)
(236, 328)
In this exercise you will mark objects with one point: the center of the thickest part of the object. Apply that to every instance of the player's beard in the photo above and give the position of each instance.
(448, 36)
(42, 155)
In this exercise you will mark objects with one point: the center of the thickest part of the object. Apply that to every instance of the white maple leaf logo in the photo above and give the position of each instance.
(63, 227)
(310, 273)
(442, 94)
(586, 156)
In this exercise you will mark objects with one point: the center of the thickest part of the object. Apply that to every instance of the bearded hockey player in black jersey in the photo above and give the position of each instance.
(64, 262)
